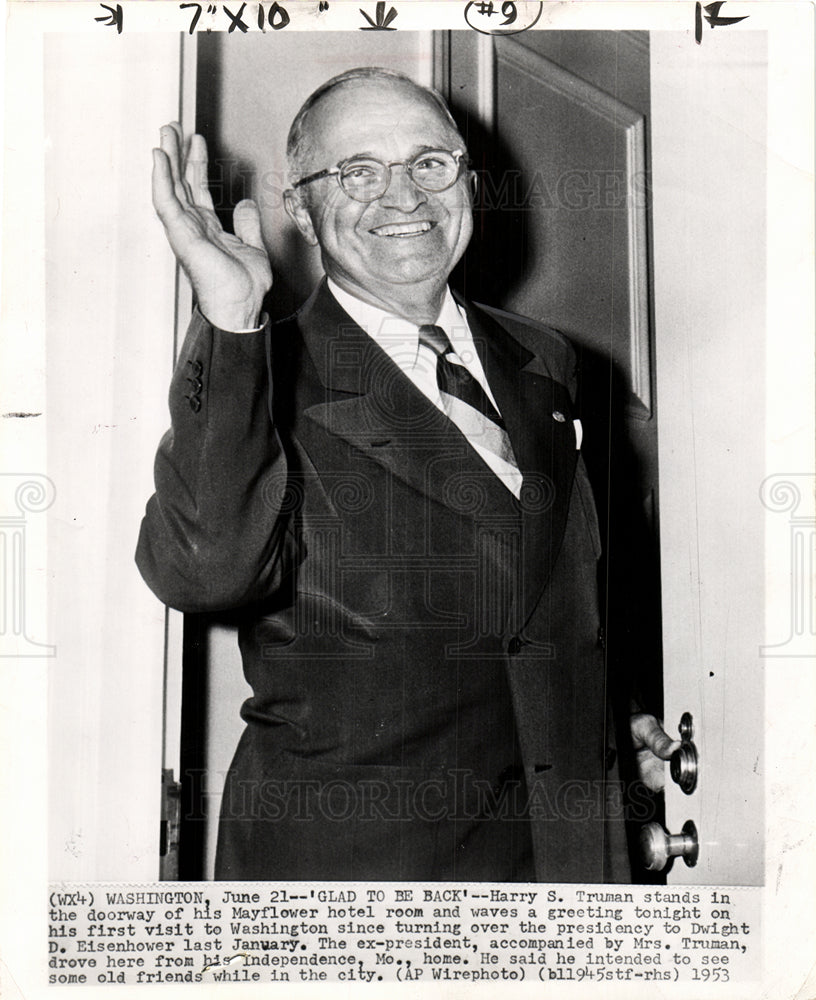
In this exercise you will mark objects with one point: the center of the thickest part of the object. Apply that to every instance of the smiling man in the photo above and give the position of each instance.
(388, 486)
(405, 219)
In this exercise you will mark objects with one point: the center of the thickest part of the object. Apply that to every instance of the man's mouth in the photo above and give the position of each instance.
(403, 229)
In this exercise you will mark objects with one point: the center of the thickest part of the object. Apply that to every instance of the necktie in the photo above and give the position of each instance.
(465, 401)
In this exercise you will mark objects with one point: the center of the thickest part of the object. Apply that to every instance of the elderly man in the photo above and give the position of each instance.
(388, 484)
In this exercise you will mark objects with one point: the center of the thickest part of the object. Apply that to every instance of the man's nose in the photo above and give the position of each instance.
(402, 192)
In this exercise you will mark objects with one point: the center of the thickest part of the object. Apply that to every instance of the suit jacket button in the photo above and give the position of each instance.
(197, 367)
(196, 384)
(514, 646)
(195, 403)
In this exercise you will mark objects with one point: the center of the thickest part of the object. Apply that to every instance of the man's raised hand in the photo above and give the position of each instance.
(230, 274)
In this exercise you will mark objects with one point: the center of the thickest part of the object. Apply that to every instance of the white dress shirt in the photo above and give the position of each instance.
(400, 340)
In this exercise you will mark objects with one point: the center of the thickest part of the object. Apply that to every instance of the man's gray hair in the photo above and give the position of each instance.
(297, 145)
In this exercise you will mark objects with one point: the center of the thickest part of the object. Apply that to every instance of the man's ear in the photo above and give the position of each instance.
(299, 214)
(473, 182)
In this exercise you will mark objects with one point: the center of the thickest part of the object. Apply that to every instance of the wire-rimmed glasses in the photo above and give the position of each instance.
(365, 178)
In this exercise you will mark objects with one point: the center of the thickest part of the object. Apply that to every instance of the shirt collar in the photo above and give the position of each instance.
(398, 337)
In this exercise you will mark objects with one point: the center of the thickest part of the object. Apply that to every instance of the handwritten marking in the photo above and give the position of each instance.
(518, 16)
(277, 17)
(382, 21)
(227, 961)
(236, 20)
(196, 16)
(114, 18)
(712, 15)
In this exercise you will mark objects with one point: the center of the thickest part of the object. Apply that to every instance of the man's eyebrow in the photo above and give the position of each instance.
(419, 150)
(416, 151)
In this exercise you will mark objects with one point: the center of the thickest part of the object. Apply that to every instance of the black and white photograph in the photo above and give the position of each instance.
(417, 608)
(408, 530)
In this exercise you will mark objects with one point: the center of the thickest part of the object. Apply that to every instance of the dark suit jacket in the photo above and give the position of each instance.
(429, 689)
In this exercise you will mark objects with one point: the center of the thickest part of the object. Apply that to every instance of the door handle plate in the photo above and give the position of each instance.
(684, 765)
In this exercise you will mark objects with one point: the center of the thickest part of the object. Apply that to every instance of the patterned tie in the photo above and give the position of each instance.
(465, 401)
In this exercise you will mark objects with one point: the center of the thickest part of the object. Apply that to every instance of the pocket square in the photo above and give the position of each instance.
(579, 434)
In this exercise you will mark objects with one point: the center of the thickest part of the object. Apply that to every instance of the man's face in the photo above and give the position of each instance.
(406, 237)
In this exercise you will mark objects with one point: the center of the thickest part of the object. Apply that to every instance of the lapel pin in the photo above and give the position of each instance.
(559, 416)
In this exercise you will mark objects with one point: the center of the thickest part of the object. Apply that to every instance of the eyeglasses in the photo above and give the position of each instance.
(365, 179)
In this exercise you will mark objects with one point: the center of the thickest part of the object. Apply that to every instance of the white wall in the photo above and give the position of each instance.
(110, 302)
(709, 128)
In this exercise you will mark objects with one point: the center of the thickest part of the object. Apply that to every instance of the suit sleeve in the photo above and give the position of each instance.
(212, 537)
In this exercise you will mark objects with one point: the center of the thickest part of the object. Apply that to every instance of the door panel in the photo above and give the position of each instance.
(581, 153)
(557, 127)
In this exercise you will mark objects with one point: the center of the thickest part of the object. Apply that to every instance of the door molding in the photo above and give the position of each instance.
(632, 126)
(489, 55)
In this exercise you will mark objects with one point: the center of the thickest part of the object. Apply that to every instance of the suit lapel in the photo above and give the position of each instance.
(375, 408)
(537, 410)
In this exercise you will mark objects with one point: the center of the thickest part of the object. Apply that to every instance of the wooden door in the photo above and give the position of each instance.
(627, 208)
(557, 124)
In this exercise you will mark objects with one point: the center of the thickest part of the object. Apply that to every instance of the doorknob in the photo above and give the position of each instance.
(657, 846)
(684, 763)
